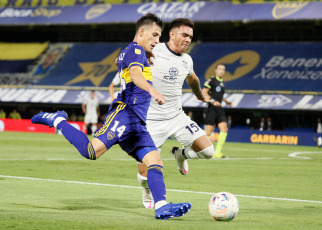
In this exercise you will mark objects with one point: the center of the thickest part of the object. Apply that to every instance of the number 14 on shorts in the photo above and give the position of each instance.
(119, 130)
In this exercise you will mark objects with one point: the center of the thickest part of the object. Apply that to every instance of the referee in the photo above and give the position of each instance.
(214, 113)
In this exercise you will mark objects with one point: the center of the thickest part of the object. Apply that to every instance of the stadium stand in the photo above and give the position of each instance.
(16, 57)
(85, 65)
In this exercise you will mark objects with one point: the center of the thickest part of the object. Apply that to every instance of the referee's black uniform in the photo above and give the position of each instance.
(215, 114)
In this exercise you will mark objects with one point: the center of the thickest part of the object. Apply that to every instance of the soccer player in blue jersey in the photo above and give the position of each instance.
(125, 122)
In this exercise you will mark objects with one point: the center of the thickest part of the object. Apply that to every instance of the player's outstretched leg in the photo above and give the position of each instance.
(172, 210)
(182, 163)
(73, 135)
(49, 118)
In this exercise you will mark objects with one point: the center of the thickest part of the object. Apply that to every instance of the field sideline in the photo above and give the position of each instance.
(46, 184)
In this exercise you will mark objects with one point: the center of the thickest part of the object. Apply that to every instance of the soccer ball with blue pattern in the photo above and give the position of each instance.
(223, 206)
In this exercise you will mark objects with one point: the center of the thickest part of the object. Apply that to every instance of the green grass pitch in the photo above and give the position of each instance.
(46, 184)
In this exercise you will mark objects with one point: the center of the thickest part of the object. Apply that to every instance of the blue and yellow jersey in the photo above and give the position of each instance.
(135, 97)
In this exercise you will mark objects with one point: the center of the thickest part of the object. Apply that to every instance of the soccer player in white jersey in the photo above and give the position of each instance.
(171, 67)
(115, 82)
(90, 108)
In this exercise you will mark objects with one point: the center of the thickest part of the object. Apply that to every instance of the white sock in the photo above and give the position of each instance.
(58, 120)
(94, 127)
(188, 153)
(206, 153)
(143, 181)
(160, 203)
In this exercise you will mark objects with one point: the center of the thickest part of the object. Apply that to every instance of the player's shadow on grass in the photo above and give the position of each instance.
(99, 204)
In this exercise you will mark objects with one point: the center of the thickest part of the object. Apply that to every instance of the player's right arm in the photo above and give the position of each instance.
(111, 90)
(140, 81)
(84, 108)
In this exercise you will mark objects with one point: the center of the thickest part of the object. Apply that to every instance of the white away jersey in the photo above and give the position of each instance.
(169, 73)
(91, 106)
(116, 80)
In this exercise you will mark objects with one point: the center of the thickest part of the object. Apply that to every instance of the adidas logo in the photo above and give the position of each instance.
(49, 115)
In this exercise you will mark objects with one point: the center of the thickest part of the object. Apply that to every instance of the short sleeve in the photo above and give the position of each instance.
(207, 84)
(136, 56)
(116, 80)
(191, 67)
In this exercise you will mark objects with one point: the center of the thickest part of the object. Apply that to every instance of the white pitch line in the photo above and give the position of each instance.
(172, 190)
(167, 159)
(295, 155)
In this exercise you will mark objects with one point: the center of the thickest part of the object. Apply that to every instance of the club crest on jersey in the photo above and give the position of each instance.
(185, 64)
(173, 71)
(110, 135)
(218, 89)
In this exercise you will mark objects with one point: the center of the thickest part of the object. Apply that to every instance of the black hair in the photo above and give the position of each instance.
(219, 65)
(148, 19)
(181, 21)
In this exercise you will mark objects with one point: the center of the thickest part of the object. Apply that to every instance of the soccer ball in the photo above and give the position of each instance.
(223, 206)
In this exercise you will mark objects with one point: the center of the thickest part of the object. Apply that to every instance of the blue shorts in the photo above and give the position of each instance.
(122, 126)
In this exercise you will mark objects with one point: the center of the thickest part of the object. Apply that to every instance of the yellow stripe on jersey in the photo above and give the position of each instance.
(109, 119)
(147, 73)
(136, 63)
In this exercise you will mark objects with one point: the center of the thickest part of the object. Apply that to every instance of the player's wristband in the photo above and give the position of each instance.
(212, 101)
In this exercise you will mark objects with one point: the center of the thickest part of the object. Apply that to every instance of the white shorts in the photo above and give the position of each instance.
(90, 118)
(181, 128)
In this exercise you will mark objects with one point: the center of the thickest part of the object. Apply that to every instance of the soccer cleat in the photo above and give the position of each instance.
(48, 118)
(172, 210)
(219, 155)
(182, 163)
(147, 198)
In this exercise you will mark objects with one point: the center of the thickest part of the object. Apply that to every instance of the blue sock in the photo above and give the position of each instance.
(156, 183)
(78, 139)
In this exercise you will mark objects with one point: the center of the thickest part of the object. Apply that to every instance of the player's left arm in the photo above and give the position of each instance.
(194, 83)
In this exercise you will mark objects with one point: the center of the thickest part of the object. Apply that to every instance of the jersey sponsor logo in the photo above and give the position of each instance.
(169, 78)
(173, 71)
(97, 11)
(284, 9)
(238, 64)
